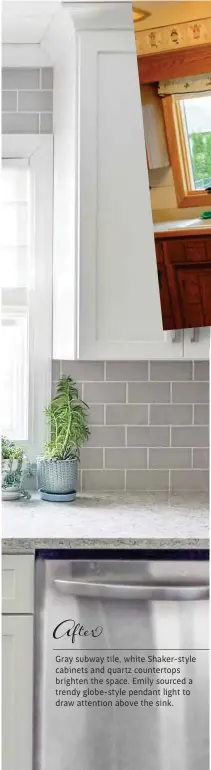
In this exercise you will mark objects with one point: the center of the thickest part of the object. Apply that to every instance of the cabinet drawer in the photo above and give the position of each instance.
(18, 584)
(196, 250)
(17, 692)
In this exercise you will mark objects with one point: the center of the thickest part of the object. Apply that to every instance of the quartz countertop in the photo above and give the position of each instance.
(184, 225)
(124, 520)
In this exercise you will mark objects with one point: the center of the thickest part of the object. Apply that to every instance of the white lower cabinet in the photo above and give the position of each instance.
(17, 674)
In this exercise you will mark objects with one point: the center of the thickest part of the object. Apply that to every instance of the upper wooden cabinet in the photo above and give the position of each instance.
(185, 289)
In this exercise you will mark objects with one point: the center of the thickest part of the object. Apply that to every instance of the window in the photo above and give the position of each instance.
(26, 278)
(15, 275)
(196, 118)
(188, 128)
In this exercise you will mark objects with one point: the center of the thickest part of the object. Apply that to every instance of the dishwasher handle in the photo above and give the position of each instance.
(138, 592)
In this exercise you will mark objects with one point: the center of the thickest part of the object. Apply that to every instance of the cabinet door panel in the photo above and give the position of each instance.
(174, 251)
(195, 250)
(118, 303)
(194, 295)
(168, 322)
(189, 297)
(17, 692)
(17, 583)
(188, 272)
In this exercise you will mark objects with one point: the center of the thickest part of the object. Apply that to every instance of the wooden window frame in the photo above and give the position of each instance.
(186, 198)
(167, 65)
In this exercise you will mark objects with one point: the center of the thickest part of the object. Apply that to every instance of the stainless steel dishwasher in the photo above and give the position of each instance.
(122, 656)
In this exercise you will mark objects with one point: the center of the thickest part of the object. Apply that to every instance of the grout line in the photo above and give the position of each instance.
(81, 480)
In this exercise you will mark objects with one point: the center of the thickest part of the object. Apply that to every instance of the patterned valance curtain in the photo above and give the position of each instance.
(187, 85)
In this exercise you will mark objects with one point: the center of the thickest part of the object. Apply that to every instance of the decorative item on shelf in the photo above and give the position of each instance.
(14, 469)
(57, 468)
(139, 14)
(205, 215)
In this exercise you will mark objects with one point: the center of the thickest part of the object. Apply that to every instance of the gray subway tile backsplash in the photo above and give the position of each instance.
(96, 413)
(171, 414)
(104, 436)
(147, 481)
(20, 123)
(9, 101)
(148, 423)
(201, 370)
(170, 458)
(201, 414)
(194, 435)
(46, 123)
(47, 78)
(111, 481)
(201, 458)
(126, 458)
(148, 392)
(27, 100)
(128, 371)
(171, 370)
(20, 78)
(105, 392)
(35, 101)
(91, 458)
(127, 414)
(190, 480)
(148, 436)
(83, 371)
(194, 392)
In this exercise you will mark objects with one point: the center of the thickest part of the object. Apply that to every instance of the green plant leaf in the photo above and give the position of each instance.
(67, 417)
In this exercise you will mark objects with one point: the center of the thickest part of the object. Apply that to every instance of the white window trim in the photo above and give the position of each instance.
(39, 149)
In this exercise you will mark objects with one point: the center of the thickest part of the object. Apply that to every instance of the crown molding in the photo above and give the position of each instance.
(100, 16)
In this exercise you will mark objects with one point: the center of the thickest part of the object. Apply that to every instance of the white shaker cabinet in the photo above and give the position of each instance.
(17, 662)
(106, 296)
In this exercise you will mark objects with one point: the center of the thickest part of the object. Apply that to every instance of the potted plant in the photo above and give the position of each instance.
(13, 466)
(67, 418)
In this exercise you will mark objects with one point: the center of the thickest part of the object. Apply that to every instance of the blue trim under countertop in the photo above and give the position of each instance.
(121, 554)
